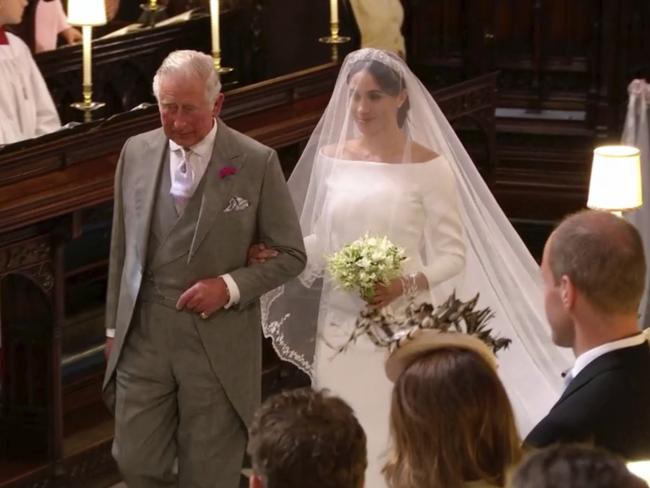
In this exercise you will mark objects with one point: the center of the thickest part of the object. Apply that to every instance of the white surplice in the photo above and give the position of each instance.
(26, 107)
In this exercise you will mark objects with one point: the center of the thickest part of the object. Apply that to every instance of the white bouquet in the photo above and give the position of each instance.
(365, 263)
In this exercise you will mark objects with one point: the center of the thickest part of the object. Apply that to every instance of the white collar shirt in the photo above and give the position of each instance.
(199, 157)
(589, 356)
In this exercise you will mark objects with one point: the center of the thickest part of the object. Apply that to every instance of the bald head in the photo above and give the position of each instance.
(603, 257)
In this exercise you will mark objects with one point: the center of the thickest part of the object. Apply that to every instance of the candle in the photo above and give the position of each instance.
(214, 19)
(153, 5)
(87, 39)
(334, 11)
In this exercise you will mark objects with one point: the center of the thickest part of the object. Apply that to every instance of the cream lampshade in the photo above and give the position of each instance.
(640, 469)
(615, 183)
(86, 12)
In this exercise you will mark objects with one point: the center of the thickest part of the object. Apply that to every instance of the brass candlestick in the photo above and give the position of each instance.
(334, 37)
(152, 12)
(87, 106)
(222, 70)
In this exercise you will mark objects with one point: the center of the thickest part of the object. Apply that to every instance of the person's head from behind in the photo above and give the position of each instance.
(378, 99)
(306, 439)
(189, 96)
(576, 467)
(451, 421)
(11, 11)
(593, 263)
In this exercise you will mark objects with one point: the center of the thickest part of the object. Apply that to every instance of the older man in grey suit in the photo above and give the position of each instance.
(183, 317)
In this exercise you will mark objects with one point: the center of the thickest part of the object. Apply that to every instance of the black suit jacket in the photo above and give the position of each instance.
(606, 404)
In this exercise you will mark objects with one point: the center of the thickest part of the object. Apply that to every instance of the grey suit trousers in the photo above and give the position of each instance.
(171, 405)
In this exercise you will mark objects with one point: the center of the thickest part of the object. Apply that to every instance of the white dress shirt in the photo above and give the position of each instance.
(587, 357)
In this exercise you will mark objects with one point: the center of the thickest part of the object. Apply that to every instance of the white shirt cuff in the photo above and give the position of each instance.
(233, 290)
(110, 333)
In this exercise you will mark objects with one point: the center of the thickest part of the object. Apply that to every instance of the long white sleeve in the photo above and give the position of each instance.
(444, 236)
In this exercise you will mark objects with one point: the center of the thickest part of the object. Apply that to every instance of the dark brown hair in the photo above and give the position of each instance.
(307, 439)
(451, 422)
(574, 466)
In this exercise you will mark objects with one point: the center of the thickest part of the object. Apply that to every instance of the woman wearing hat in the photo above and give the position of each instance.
(451, 422)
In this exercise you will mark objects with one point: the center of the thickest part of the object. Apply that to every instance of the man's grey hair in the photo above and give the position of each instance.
(188, 63)
(603, 257)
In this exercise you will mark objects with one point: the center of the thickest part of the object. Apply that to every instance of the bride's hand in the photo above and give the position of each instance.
(259, 253)
(385, 294)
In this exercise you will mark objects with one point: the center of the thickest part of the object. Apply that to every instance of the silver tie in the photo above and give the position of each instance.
(182, 186)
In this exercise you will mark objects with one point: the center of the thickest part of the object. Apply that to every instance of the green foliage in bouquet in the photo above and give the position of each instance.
(365, 263)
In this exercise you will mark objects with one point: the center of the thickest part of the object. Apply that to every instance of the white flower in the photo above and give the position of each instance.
(365, 263)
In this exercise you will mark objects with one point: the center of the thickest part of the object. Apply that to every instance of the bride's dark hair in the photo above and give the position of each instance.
(387, 78)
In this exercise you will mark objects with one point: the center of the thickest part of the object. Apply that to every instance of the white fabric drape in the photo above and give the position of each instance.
(636, 132)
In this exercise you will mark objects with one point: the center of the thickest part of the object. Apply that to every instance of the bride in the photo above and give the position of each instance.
(384, 161)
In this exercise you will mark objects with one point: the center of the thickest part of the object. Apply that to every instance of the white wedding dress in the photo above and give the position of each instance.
(453, 231)
(403, 202)
(412, 204)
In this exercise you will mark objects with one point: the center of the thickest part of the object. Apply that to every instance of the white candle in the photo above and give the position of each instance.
(334, 11)
(87, 46)
(214, 19)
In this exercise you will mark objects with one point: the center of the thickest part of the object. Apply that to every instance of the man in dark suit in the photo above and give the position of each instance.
(183, 313)
(594, 273)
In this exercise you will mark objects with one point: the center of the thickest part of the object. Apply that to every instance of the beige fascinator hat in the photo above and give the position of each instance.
(429, 340)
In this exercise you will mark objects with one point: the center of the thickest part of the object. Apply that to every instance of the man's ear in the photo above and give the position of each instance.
(218, 104)
(567, 292)
(255, 481)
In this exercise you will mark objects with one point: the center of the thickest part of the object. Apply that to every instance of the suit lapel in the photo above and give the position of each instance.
(217, 185)
(146, 188)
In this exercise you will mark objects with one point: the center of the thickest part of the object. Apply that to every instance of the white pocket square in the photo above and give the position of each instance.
(235, 204)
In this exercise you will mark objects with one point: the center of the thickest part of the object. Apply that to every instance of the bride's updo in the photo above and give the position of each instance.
(389, 79)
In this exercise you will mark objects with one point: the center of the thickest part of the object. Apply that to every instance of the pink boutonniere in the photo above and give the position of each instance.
(227, 171)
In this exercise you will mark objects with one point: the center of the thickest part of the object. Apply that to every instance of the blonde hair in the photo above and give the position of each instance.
(451, 422)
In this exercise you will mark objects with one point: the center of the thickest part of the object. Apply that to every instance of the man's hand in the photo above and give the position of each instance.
(204, 297)
(108, 347)
(259, 253)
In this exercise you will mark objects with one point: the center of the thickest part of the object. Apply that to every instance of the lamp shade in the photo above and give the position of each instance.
(640, 469)
(615, 182)
(86, 12)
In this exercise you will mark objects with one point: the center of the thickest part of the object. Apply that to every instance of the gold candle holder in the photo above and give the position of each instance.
(334, 37)
(216, 38)
(87, 106)
(222, 70)
(152, 11)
